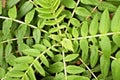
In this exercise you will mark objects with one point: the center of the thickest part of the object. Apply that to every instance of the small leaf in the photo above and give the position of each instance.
(39, 68)
(72, 69)
(12, 13)
(75, 32)
(36, 35)
(55, 37)
(90, 2)
(8, 49)
(15, 73)
(116, 39)
(69, 3)
(29, 16)
(53, 30)
(94, 25)
(77, 77)
(84, 29)
(115, 66)
(84, 47)
(104, 22)
(25, 77)
(56, 67)
(11, 3)
(42, 3)
(71, 57)
(104, 66)
(44, 60)
(57, 57)
(105, 45)
(82, 12)
(75, 22)
(31, 52)
(2, 73)
(31, 74)
(20, 67)
(117, 55)
(26, 7)
(20, 33)
(40, 47)
(46, 43)
(24, 59)
(56, 21)
(67, 44)
(104, 5)
(94, 55)
(115, 24)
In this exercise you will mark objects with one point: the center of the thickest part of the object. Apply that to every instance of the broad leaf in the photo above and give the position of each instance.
(104, 22)
(71, 57)
(72, 69)
(39, 68)
(12, 13)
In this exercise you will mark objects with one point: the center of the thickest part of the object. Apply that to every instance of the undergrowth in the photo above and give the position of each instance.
(59, 39)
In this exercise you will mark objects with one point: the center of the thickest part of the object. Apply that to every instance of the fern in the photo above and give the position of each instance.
(60, 40)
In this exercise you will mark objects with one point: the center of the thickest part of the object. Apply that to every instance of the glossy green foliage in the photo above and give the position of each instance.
(59, 39)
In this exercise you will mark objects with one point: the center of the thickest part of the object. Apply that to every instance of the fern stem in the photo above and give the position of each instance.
(88, 69)
(65, 71)
(78, 1)
(99, 35)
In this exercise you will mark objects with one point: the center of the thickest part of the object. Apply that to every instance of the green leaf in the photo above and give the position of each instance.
(56, 21)
(31, 74)
(94, 55)
(104, 22)
(115, 24)
(104, 66)
(20, 67)
(40, 47)
(117, 55)
(15, 73)
(39, 68)
(56, 67)
(42, 3)
(36, 35)
(94, 25)
(75, 32)
(84, 29)
(11, 3)
(116, 39)
(50, 53)
(24, 59)
(10, 59)
(55, 37)
(72, 69)
(82, 12)
(57, 58)
(0, 6)
(75, 22)
(44, 60)
(2, 73)
(31, 52)
(69, 3)
(90, 2)
(67, 44)
(103, 5)
(8, 49)
(41, 23)
(46, 43)
(26, 7)
(12, 13)
(105, 45)
(67, 13)
(84, 47)
(115, 66)
(6, 28)
(29, 16)
(71, 57)
(20, 33)
(44, 10)
(77, 77)
(25, 77)
(53, 30)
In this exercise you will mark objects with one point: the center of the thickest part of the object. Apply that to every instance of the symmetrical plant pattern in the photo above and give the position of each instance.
(59, 40)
